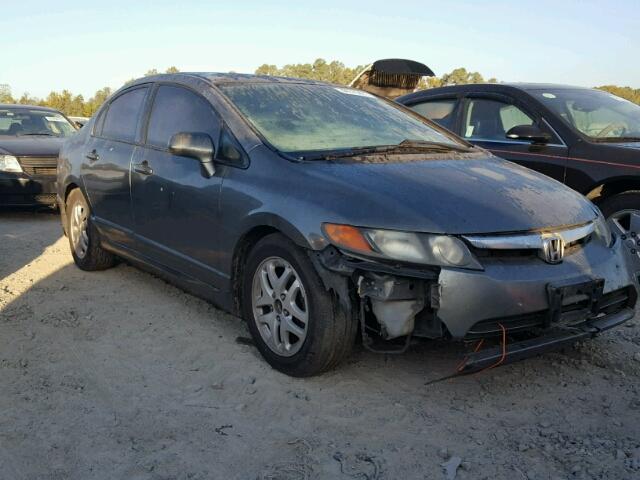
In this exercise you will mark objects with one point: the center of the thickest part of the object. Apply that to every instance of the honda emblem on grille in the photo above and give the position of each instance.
(552, 248)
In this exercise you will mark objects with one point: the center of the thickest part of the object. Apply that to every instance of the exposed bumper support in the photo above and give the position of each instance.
(536, 346)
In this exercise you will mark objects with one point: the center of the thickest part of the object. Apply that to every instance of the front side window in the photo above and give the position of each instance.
(297, 118)
(20, 121)
(486, 119)
(177, 109)
(440, 111)
(123, 116)
(594, 113)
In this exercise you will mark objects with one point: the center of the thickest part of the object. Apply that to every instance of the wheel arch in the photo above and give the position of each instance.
(260, 227)
(612, 186)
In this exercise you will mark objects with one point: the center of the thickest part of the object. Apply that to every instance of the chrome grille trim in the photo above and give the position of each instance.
(43, 166)
(526, 241)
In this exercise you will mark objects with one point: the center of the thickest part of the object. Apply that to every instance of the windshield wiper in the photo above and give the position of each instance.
(399, 147)
(433, 145)
(41, 133)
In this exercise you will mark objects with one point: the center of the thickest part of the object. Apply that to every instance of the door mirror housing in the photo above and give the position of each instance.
(196, 145)
(528, 133)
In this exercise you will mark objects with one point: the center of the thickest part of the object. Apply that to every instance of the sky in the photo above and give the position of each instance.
(83, 46)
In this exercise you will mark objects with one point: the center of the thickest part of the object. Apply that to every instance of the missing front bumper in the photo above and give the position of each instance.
(554, 340)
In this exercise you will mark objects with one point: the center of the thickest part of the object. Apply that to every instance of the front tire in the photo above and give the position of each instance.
(296, 324)
(84, 239)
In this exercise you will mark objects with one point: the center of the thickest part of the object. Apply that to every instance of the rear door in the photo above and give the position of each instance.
(176, 207)
(487, 118)
(106, 165)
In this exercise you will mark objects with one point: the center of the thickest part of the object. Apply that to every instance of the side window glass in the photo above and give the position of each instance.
(491, 119)
(177, 109)
(97, 128)
(440, 111)
(123, 116)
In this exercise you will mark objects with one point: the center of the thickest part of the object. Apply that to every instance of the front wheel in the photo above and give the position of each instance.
(295, 322)
(83, 237)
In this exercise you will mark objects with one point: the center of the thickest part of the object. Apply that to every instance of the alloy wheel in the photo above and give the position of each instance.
(279, 305)
(78, 230)
(626, 225)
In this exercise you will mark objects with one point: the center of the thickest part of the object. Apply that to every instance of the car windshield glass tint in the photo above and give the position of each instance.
(300, 118)
(597, 114)
(15, 122)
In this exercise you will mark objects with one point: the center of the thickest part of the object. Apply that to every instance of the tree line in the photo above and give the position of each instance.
(66, 102)
(320, 69)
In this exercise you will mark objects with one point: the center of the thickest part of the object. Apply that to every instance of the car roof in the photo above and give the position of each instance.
(30, 107)
(217, 78)
(488, 87)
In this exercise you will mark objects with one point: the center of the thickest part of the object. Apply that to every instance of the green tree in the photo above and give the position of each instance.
(94, 103)
(333, 72)
(27, 99)
(5, 94)
(631, 94)
(458, 76)
(172, 69)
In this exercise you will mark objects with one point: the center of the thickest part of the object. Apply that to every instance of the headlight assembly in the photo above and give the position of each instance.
(602, 230)
(9, 163)
(419, 248)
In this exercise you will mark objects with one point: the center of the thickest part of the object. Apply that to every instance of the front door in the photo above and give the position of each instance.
(105, 167)
(486, 121)
(175, 206)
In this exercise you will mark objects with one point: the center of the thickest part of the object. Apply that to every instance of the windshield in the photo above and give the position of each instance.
(298, 118)
(16, 122)
(595, 113)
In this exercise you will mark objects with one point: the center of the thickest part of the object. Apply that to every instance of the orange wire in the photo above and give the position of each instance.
(502, 357)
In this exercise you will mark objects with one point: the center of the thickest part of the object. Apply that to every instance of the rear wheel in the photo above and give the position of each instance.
(83, 237)
(295, 322)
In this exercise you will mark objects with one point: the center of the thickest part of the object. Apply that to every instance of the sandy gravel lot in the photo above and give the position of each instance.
(118, 375)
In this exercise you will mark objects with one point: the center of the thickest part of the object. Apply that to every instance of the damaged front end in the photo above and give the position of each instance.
(505, 293)
(389, 301)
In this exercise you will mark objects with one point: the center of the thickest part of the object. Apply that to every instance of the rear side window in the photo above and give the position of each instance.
(176, 109)
(123, 116)
(440, 111)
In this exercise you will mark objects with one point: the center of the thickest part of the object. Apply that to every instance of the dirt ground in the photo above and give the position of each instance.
(118, 375)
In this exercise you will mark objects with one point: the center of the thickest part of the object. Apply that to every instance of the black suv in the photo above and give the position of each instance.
(588, 139)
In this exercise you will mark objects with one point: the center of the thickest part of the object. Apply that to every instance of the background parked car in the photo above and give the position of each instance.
(30, 138)
(586, 138)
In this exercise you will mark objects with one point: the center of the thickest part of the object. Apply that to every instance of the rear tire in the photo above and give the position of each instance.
(625, 201)
(275, 268)
(84, 239)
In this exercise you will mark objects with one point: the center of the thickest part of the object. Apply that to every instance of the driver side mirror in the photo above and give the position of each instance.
(528, 133)
(196, 145)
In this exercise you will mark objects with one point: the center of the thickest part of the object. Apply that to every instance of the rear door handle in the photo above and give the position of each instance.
(93, 155)
(143, 168)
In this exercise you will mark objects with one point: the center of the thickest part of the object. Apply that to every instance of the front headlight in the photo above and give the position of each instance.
(9, 163)
(421, 248)
(602, 230)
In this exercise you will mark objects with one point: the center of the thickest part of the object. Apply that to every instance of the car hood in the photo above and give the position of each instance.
(43, 146)
(487, 195)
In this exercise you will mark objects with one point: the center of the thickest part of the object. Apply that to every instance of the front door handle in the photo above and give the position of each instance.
(93, 156)
(143, 168)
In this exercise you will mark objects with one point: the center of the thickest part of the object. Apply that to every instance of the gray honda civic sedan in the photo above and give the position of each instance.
(319, 214)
